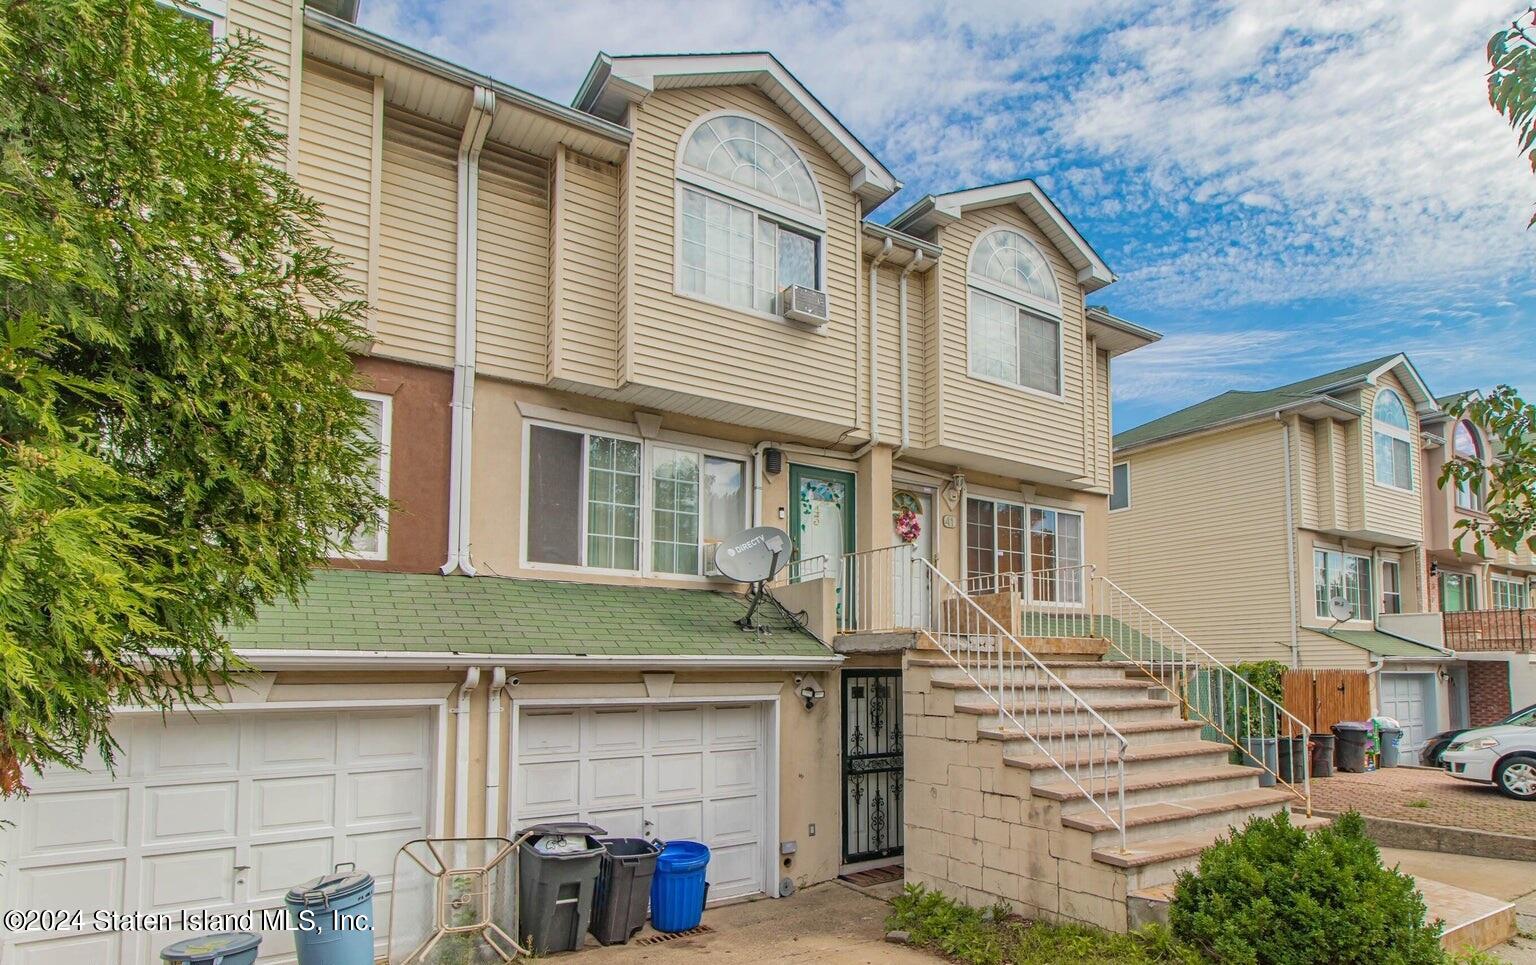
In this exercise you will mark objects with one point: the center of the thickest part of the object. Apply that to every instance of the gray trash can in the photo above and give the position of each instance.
(1352, 739)
(332, 918)
(557, 876)
(1391, 741)
(623, 888)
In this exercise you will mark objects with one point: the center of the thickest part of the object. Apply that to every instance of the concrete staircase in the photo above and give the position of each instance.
(991, 818)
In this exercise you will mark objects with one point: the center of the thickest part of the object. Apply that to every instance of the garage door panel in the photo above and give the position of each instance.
(279, 865)
(376, 850)
(735, 725)
(86, 886)
(733, 820)
(189, 812)
(734, 870)
(549, 786)
(618, 730)
(75, 950)
(293, 742)
(613, 781)
(387, 797)
(208, 748)
(549, 732)
(74, 821)
(732, 771)
(682, 820)
(382, 740)
(677, 775)
(193, 879)
(618, 822)
(282, 804)
(678, 727)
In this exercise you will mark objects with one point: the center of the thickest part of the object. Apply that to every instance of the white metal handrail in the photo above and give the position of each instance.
(1076, 740)
(879, 590)
(1210, 691)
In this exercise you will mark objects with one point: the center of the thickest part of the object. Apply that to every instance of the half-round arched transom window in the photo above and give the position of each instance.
(1014, 326)
(1392, 440)
(749, 215)
(1465, 445)
(753, 155)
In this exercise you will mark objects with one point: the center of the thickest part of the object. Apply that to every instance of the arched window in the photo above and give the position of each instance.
(750, 216)
(1393, 441)
(1465, 445)
(1015, 313)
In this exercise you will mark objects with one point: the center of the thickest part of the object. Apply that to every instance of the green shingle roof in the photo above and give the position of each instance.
(1382, 644)
(1235, 405)
(426, 613)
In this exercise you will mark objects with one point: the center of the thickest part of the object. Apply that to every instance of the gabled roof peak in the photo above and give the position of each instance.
(615, 82)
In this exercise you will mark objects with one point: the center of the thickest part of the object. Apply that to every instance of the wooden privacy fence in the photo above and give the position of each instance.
(1322, 698)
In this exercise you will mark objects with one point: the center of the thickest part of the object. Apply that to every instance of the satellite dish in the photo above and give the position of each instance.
(754, 555)
(1340, 608)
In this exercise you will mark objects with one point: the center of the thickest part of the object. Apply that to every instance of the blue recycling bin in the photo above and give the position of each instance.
(230, 948)
(332, 918)
(678, 888)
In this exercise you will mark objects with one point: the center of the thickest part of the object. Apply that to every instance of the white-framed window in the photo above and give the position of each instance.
(1014, 321)
(1466, 445)
(750, 220)
(1042, 544)
(1458, 591)
(372, 542)
(1391, 587)
(1120, 486)
(1393, 440)
(601, 501)
(1055, 556)
(1510, 594)
(1343, 574)
(212, 12)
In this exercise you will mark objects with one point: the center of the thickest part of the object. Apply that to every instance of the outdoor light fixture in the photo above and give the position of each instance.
(808, 691)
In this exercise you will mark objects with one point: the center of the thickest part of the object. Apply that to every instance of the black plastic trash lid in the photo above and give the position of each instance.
(206, 948)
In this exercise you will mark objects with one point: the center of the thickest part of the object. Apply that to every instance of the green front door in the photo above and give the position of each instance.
(821, 518)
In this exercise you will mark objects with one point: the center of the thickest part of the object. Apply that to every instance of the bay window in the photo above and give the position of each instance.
(1014, 324)
(750, 219)
(1343, 575)
(628, 505)
(1392, 441)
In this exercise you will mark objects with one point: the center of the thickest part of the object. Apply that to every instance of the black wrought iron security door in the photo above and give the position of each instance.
(872, 765)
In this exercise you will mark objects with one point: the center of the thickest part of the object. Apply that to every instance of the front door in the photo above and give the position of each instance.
(873, 822)
(822, 506)
(912, 524)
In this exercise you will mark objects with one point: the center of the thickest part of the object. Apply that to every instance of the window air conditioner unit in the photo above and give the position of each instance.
(805, 305)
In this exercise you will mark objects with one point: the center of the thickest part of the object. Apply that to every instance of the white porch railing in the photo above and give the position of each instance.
(1066, 730)
(882, 590)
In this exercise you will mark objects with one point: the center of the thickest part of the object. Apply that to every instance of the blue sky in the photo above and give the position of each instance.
(1281, 191)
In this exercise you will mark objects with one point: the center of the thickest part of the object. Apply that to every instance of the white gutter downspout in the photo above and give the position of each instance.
(1290, 545)
(901, 314)
(481, 112)
(874, 350)
(461, 758)
(493, 753)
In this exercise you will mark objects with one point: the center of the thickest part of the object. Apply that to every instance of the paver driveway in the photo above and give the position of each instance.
(1424, 796)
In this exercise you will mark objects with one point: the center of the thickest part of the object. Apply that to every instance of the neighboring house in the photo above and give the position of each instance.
(1485, 601)
(1243, 518)
(585, 374)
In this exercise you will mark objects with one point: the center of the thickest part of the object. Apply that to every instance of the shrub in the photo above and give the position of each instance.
(1272, 893)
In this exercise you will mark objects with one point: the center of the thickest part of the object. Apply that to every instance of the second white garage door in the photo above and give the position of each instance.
(664, 770)
(1409, 699)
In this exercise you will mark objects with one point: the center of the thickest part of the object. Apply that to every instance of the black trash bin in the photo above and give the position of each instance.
(623, 888)
(1322, 755)
(557, 868)
(1292, 759)
(1354, 739)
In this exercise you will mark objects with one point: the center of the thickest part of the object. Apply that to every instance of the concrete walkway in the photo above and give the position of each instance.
(1508, 880)
(1424, 796)
(828, 923)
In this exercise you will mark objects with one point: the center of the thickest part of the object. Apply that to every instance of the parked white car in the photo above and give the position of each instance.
(1503, 755)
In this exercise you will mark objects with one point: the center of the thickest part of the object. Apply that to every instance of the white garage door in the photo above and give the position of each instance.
(664, 770)
(1406, 697)
(223, 814)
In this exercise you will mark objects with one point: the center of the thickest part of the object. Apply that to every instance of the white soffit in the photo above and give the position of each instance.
(614, 83)
(938, 209)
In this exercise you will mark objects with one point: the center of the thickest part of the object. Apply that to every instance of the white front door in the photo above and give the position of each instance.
(910, 588)
(1408, 699)
(223, 814)
(670, 771)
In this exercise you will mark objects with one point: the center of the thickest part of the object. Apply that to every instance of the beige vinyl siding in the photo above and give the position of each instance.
(1387, 509)
(1103, 427)
(1335, 476)
(584, 321)
(272, 23)
(890, 345)
(701, 349)
(1308, 483)
(999, 420)
(418, 240)
(336, 159)
(512, 283)
(1203, 544)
